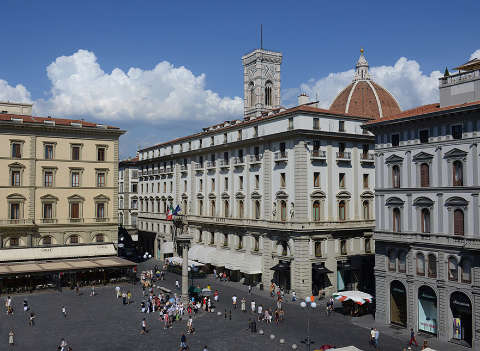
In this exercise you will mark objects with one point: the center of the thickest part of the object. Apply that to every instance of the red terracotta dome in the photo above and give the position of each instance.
(363, 97)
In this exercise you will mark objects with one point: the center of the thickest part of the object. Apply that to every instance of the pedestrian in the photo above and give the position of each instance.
(249, 289)
(294, 296)
(260, 312)
(10, 338)
(124, 298)
(205, 348)
(215, 295)
(252, 306)
(129, 297)
(31, 319)
(190, 325)
(144, 326)
(372, 336)
(244, 302)
(92, 292)
(63, 345)
(412, 338)
(117, 291)
(377, 335)
(234, 301)
(183, 342)
(77, 289)
(177, 284)
(64, 311)
(25, 306)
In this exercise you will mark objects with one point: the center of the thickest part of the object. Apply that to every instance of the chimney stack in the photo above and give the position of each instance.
(303, 99)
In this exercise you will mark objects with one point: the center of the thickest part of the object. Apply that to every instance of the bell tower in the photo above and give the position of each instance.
(261, 82)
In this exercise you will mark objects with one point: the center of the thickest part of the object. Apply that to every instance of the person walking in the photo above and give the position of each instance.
(249, 289)
(11, 335)
(64, 311)
(117, 291)
(377, 335)
(92, 292)
(129, 297)
(234, 302)
(252, 306)
(244, 307)
(31, 319)
(177, 284)
(183, 342)
(144, 326)
(205, 348)
(124, 298)
(412, 338)
(372, 336)
(190, 325)
(215, 295)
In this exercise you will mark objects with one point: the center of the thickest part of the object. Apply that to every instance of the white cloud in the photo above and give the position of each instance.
(405, 81)
(17, 93)
(81, 88)
(476, 54)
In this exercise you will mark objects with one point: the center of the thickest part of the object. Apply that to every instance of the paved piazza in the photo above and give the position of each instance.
(103, 323)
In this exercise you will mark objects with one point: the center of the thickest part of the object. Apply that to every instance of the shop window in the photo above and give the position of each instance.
(432, 266)
(458, 222)
(424, 175)
(452, 269)
(457, 173)
(420, 264)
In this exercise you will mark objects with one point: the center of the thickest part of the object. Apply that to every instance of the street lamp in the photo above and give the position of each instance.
(308, 304)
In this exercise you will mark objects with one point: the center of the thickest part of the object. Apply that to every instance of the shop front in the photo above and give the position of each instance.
(427, 310)
(398, 304)
(461, 308)
(281, 275)
(320, 279)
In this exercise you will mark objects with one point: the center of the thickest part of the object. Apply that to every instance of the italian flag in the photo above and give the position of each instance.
(170, 213)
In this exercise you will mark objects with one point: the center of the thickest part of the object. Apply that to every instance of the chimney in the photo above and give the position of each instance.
(303, 99)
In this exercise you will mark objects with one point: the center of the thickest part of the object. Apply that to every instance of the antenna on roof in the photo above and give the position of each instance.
(261, 36)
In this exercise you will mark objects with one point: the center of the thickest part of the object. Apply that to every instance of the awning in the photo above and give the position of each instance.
(252, 265)
(167, 247)
(320, 268)
(281, 266)
(56, 252)
(64, 265)
(179, 260)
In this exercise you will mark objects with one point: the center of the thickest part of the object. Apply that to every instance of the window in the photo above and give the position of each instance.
(290, 123)
(257, 209)
(458, 222)
(251, 91)
(75, 179)
(452, 269)
(100, 154)
(268, 93)
(368, 245)
(240, 182)
(16, 150)
(257, 181)
(134, 188)
(457, 173)
(240, 242)
(200, 236)
(341, 126)
(47, 210)
(402, 262)
(225, 156)
(256, 244)
(341, 180)
(424, 134)
(48, 178)
(75, 210)
(100, 179)
(392, 261)
(366, 209)
(395, 139)
(225, 240)
(396, 176)
(100, 210)
(282, 150)
(74, 239)
(14, 242)
(225, 138)
(316, 211)
(212, 208)
(240, 155)
(365, 149)
(47, 240)
(212, 140)
(239, 136)
(226, 184)
(316, 148)
(341, 150)
(457, 131)
(200, 207)
(213, 185)
(256, 152)
(283, 181)
(99, 238)
(184, 186)
(424, 175)
(343, 247)
(48, 151)
(396, 220)
(14, 210)
(240, 209)
(200, 185)
(316, 123)
(341, 210)
(15, 178)
(226, 208)
(283, 210)
(316, 179)
(365, 181)
(425, 219)
(200, 143)
(432, 266)
(466, 271)
(212, 238)
(255, 131)
(171, 186)
(318, 249)
(164, 187)
(420, 264)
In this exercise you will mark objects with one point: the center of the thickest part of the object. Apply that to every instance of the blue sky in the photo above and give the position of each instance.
(74, 58)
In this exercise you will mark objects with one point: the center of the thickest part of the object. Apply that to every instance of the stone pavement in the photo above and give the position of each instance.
(103, 323)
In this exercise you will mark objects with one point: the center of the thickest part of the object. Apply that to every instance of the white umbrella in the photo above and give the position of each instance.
(358, 297)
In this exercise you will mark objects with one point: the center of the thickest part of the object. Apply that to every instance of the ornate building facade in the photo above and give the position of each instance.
(128, 195)
(427, 236)
(283, 195)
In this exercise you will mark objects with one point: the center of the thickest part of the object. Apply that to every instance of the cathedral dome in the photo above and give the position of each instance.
(363, 97)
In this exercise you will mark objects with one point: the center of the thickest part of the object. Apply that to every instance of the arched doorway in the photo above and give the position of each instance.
(427, 310)
(398, 304)
(461, 308)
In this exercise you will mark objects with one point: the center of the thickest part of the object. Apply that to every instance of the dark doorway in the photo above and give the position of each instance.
(398, 304)
(462, 318)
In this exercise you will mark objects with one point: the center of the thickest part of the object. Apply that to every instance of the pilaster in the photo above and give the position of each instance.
(301, 268)
(301, 181)
(267, 261)
(267, 182)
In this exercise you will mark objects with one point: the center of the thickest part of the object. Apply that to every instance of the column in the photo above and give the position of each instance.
(301, 268)
(185, 272)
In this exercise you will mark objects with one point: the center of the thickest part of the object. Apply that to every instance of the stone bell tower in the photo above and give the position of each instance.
(261, 82)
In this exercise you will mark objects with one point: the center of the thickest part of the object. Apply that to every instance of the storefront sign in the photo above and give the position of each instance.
(457, 328)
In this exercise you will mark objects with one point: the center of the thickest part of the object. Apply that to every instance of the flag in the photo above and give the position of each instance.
(169, 213)
(177, 210)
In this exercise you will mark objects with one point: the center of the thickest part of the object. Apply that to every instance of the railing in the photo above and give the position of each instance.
(150, 172)
(344, 155)
(238, 161)
(169, 169)
(199, 166)
(255, 159)
(460, 77)
(184, 168)
(280, 156)
(211, 164)
(49, 220)
(367, 157)
(15, 221)
(223, 163)
(318, 154)
(431, 238)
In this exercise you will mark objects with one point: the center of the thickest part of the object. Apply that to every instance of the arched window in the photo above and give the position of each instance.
(316, 210)
(226, 208)
(457, 173)
(396, 176)
(283, 210)
(452, 269)
(392, 260)
(366, 209)
(251, 93)
(341, 210)
(343, 247)
(318, 249)
(432, 266)
(420, 264)
(120, 218)
(425, 214)
(240, 209)
(257, 209)
(466, 271)
(424, 175)
(268, 94)
(402, 262)
(200, 207)
(396, 220)
(212, 208)
(458, 222)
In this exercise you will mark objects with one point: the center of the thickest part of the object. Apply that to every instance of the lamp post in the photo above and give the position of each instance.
(308, 304)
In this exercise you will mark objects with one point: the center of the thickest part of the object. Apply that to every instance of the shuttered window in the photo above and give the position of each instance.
(424, 175)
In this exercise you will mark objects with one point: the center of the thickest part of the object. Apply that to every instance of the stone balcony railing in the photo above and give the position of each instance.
(238, 161)
(344, 156)
(367, 157)
(254, 159)
(211, 164)
(318, 155)
(280, 156)
(461, 77)
(13, 222)
(223, 163)
(40, 221)
(430, 239)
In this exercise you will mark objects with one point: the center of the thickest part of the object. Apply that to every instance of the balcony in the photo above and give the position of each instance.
(367, 157)
(184, 168)
(102, 219)
(223, 163)
(199, 167)
(461, 77)
(161, 170)
(49, 220)
(16, 222)
(238, 161)
(280, 156)
(150, 172)
(211, 164)
(318, 155)
(169, 170)
(344, 156)
(255, 159)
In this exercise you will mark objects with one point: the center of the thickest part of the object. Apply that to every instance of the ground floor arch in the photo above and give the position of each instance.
(461, 309)
(427, 310)
(398, 303)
